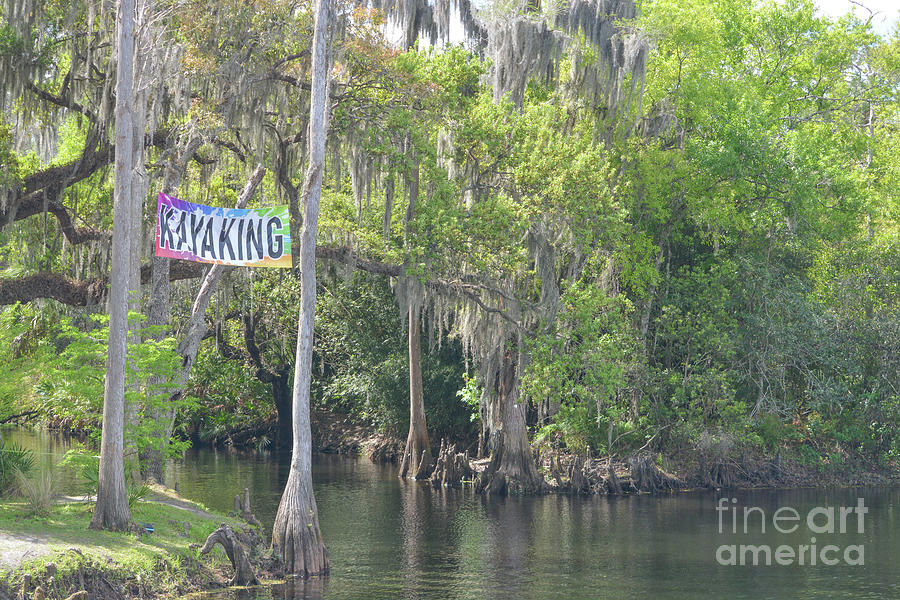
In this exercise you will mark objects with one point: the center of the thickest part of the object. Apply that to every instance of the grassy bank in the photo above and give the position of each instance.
(62, 556)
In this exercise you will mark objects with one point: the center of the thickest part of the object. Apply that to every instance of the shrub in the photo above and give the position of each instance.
(13, 459)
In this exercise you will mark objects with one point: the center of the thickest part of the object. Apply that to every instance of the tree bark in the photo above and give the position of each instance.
(417, 460)
(296, 537)
(512, 467)
(138, 194)
(111, 510)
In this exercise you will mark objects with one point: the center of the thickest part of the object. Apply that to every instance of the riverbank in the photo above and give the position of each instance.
(643, 472)
(59, 554)
(692, 468)
(656, 473)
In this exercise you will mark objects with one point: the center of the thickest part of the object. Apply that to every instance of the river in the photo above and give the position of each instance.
(390, 539)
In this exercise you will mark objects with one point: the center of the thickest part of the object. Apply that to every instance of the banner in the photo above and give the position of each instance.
(256, 237)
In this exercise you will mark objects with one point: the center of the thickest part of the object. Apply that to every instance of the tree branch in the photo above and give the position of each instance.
(52, 285)
(75, 292)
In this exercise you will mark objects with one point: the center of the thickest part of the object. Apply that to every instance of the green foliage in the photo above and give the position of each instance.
(136, 493)
(470, 395)
(575, 425)
(222, 396)
(726, 282)
(86, 464)
(15, 461)
(454, 71)
(361, 346)
(75, 390)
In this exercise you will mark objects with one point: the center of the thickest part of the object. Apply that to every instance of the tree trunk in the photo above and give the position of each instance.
(138, 193)
(296, 538)
(417, 460)
(512, 467)
(111, 510)
(281, 393)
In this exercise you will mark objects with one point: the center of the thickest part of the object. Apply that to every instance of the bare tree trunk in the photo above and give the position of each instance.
(159, 308)
(417, 460)
(138, 194)
(512, 467)
(112, 511)
(296, 537)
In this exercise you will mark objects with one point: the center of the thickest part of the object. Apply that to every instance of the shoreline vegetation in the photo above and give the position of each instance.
(55, 555)
(642, 472)
(570, 473)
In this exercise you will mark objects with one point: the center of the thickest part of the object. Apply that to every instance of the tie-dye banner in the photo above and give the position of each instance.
(257, 237)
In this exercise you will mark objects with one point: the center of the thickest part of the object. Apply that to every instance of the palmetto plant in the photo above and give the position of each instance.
(13, 459)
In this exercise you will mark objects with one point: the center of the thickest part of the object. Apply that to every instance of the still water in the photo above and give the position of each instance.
(389, 539)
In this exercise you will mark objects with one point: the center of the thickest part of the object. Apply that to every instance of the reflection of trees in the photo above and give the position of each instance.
(413, 525)
(313, 588)
(431, 554)
(508, 545)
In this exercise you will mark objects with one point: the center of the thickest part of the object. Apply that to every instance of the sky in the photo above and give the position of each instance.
(886, 11)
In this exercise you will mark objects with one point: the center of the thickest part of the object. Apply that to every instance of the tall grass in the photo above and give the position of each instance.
(37, 491)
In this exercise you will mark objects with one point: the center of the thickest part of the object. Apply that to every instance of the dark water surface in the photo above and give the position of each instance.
(388, 539)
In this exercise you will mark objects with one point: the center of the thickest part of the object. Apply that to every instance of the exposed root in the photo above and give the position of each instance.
(647, 477)
(237, 554)
(451, 467)
(417, 462)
